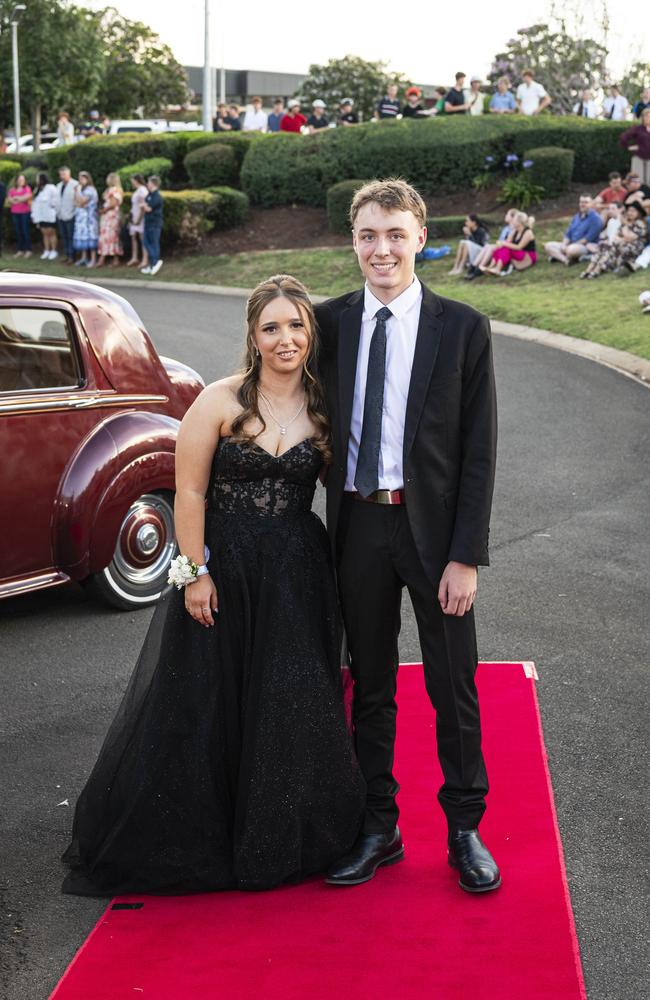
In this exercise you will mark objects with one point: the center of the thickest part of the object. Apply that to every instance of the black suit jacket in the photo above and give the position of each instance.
(450, 429)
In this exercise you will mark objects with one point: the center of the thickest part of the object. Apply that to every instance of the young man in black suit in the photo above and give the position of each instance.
(410, 387)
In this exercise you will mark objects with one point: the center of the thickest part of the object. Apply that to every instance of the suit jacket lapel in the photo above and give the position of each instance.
(348, 348)
(426, 350)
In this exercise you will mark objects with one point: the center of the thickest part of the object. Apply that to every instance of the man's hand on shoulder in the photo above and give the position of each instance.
(457, 589)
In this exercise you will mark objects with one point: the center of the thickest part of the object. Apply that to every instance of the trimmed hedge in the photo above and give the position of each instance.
(156, 165)
(339, 199)
(552, 167)
(441, 155)
(8, 170)
(229, 209)
(239, 142)
(101, 154)
(213, 164)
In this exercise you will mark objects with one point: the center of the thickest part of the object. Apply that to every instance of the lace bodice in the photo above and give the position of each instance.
(247, 479)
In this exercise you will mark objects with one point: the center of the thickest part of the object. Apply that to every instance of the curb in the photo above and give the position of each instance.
(621, 361)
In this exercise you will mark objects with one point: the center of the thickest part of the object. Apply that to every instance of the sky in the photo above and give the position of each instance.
(428, 42)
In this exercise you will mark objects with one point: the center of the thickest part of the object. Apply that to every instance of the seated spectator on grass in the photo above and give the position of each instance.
(317, 119)
(610, 198)
(516, 253)
(255, 120)
(439, 106)
(221, 122)
(484, 256)
(19, 197)
(580, 237)
(503, 101)
(531, 96)
(637, 141)
(636, 190)
(276, 116)
(644, 299)
(615, 106)
(624, 247)
(456, 100)
(389, 106)
(642, 103)
(44, 211)
(413, 107)
(293, 121)
(347, 116)
(586, 106)
(475, 237)
(643, 260)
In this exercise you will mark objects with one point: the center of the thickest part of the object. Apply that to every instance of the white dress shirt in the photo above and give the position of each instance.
(255, 121)
(401, 334)
(531, 96)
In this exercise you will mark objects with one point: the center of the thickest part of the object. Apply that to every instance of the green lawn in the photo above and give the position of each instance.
(549, 296)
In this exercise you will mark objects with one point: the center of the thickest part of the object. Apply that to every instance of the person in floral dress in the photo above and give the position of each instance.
(625, 246)
(109, 222)
(85, 221)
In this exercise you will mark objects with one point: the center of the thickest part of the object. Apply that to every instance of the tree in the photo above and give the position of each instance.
(140, 71)
(636, 77)
(561, 62)
(364, 82)
(60, 57)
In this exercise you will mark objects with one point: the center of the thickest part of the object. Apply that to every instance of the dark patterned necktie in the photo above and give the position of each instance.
(366, 478)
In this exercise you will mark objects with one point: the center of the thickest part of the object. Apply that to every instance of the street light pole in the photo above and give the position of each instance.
(15, 17)
(207, 74)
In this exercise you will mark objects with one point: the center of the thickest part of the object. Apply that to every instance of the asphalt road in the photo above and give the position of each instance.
(568, 588)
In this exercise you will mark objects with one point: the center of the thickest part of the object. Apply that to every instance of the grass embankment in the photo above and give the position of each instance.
(549, 296)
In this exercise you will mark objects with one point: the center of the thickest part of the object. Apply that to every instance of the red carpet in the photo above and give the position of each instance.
(411, 933)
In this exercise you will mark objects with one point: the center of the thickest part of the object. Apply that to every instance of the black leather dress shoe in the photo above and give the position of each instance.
(478, 869)
(370, 851)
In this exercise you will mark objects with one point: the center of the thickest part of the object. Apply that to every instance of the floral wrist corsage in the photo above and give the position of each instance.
(183, 570)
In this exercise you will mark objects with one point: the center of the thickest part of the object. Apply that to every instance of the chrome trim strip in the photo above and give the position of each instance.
(21, 585)
(79, 402)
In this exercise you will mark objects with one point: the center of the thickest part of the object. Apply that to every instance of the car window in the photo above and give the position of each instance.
(36, 350)
(134, 128)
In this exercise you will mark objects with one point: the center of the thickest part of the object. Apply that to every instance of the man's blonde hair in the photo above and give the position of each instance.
(393, 195)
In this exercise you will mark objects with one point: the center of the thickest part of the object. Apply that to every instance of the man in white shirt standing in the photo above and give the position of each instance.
(255, 120)
(531, 96)
(66, 189)
(615, 107)
(586, 106)
(474, 97)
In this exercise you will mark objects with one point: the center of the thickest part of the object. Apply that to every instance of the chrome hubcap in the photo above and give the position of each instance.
(146, 540)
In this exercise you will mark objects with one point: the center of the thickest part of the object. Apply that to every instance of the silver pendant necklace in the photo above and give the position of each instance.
(283, 427)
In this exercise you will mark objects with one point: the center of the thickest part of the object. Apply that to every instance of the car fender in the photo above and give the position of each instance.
(123, 457)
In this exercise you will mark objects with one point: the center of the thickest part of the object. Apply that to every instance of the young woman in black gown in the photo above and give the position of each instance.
(229, 764)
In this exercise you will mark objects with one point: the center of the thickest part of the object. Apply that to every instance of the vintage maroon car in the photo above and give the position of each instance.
(89, 415)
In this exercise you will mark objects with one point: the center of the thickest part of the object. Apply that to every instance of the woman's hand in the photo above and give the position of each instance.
(201, 600)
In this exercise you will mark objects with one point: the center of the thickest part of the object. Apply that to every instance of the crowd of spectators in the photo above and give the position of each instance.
(71, 216)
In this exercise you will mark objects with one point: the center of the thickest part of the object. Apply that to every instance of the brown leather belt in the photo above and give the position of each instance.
(380, 496)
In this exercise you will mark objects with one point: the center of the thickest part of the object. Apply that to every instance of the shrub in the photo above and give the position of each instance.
(213, 164)
(230, 207)
(8, 170)
(551, 167)
(441, 155)
(339, 199)
(156, 165)
(103, 153)
(239, 142)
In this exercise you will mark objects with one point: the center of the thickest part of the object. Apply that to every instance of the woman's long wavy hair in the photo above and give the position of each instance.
(292, 289)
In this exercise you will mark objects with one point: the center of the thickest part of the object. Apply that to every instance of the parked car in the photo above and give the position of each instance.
(48, 141)
(89, 415)
(137, 125)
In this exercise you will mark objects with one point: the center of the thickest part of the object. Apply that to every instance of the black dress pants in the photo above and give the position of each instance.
(376, 558)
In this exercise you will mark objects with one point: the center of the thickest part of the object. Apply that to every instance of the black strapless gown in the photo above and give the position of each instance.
(229, 763)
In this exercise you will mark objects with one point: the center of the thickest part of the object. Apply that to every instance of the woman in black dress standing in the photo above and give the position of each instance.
(229, 764)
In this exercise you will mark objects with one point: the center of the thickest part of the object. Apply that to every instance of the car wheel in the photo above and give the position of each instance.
(137, 574)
